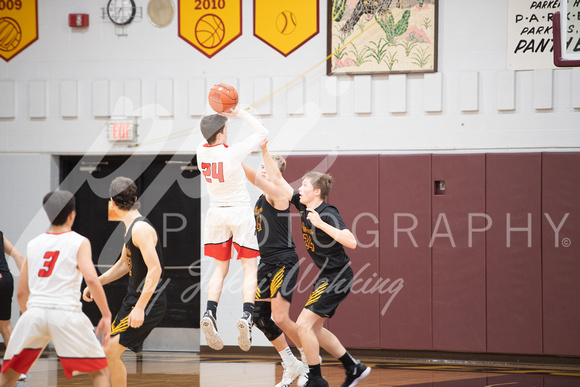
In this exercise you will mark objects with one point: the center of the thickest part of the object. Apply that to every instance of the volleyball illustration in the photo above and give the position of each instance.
(10, 34)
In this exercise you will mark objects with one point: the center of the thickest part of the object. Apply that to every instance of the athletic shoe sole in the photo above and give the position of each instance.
(211, 336)
(364, 374)
(244, 340)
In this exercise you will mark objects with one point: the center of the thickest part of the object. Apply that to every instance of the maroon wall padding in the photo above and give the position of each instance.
(514, 272)
(458, 272)
(405, 189)
(296, 167)
(561, 256)
(355, 192)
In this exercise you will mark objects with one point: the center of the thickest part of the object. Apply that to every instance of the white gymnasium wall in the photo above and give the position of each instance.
(25, 178)
(56, 96)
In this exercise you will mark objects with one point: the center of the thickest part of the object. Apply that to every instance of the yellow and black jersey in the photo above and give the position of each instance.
(137, 266)
(273, 229)
(324, 250)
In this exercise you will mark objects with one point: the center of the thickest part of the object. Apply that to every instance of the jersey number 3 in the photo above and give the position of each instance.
(49, 261)
(213, 171)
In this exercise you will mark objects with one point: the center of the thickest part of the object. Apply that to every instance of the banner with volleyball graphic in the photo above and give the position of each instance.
(285, 25)
(18, 26)
(209, 25)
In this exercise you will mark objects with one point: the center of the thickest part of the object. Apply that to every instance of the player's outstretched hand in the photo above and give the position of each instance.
(104, 327)
(87, 295)
(231, 112)
(264, 145)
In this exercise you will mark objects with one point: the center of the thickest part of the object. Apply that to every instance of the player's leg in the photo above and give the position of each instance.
(114, 351)
(309, 325)
(101, 378)
(9, 378)
(209, 320)
(5, 330)
(249, 285)
(281, 314)
(216, 281)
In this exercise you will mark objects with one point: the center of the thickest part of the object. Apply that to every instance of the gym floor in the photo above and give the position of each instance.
(245, 370)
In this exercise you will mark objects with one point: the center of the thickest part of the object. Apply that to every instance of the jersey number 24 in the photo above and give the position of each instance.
(213, 171)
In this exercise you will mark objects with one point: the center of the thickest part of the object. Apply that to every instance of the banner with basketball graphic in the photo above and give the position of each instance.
(210, 25)
(18, 26)
(285, 25)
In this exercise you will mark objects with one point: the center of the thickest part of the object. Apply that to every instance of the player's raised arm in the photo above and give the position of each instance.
(85, 264)
(342, 236)
(274, 173)
(264, 185)
(242, 149)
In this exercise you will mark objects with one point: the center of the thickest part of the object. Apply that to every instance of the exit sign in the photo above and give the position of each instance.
(122, 130)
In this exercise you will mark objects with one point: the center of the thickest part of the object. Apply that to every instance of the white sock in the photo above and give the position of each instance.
(287, 355)
(302, 356)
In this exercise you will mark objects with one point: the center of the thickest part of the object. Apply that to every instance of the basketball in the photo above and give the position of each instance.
(222, 97)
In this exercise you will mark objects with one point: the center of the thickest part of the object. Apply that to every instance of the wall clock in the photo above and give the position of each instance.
(121, 12)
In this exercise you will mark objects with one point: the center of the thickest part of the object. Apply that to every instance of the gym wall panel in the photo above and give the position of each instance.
(397, 93)
(351, 173)
(69, 103)
(506, 90)
(458, 269)
(405, 256)
(576, 88)
(262, 91)
(7, 99)
(196, 97)
(133, 103)
(560, 252)
(363, 94)
(164, 97)
(296, 167)
(295, 95)
(37, 99)
(101, 105)
(469, 91)
(328, 95)
(432, 98)
(514, 253)
(543, 89)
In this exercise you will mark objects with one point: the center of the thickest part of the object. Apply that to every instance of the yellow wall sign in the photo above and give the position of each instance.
(285, 25)
(18, 26)
(210, 25)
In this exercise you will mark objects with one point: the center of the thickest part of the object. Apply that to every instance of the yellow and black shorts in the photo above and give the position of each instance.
(133, 338)
(330, 289)
(277, 275)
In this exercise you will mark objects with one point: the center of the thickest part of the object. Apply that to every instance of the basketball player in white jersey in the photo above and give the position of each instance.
(229, 221)
(49, 297)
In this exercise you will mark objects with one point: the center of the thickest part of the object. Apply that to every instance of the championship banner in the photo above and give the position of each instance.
(209, 25)
(18, 26)
(285, 25)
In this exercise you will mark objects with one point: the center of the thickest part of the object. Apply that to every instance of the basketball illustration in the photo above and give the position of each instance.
(210, 31)
(222, 97)
(10, 34)
(286, 22)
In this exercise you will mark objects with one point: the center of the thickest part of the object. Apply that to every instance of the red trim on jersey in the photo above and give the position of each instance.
(23, 361)
(72, 365)
(244, 252)
(219, 251)
(206, 145)
(59, 233)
